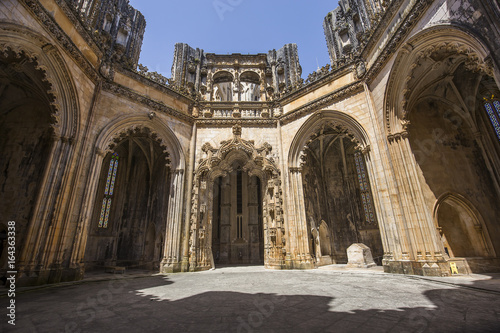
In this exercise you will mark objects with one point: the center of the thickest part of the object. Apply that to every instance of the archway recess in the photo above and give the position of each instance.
(329, 165)
(153, 141)
(40, 126)
(130, 211)
(462, 229)
(237, 155)
(441, 141)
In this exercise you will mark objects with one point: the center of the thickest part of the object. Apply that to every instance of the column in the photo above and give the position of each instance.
(42, 208)
(418, 235)
(84, 219)
(299, 239)
(171, 254)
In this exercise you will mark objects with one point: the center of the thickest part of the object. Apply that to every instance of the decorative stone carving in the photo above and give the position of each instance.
(360, 69)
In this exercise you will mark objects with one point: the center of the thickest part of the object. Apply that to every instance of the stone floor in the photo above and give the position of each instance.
(252, 299)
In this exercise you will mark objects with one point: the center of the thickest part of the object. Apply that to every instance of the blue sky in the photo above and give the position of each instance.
(234, 26)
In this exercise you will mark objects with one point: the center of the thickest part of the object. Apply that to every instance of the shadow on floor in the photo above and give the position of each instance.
(142, 305)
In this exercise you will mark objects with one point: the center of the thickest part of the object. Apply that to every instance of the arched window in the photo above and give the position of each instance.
(108, 191)
(365, 188)
(492, 106)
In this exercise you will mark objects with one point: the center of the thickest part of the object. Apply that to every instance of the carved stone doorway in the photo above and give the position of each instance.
(237, 230)
(236, 217)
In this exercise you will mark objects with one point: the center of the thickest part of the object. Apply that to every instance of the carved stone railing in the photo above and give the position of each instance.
(242, 110)
(163, 81)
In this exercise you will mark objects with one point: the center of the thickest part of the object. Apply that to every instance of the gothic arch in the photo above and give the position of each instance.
(433, 98)
(156, 129)
(63, 123)
(474, 223)
(355, 131)
(450, 38)
(24, 41)
(113, 134)
(219, 162)
(327, 158)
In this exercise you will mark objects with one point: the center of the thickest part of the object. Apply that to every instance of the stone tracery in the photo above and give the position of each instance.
(221, 162)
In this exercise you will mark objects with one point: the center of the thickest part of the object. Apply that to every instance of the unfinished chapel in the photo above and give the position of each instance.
(243, 159)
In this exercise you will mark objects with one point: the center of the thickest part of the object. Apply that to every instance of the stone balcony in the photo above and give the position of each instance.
(243, 110)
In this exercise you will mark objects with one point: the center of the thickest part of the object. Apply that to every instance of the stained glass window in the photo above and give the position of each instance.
(365, 188)
(493, 109)
(108, 191)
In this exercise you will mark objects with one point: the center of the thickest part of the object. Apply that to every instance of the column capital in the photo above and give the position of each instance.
(295, 169)
(100, 152)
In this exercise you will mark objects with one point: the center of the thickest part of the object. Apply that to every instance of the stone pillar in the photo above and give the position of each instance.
(43, 209)
(420, 242)
(301, 258)
(85, 217)
(384, 191)
(171, 256)
(192, 234)
(253, 221)
(53, 248)
(188, 198)
(386, 226)
(225, 220)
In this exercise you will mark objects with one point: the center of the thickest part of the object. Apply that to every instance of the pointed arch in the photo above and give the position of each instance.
(157, 130)
(22, 40)
(221, 162)
(473, 222)
(450, 38)
(48, 70)
(355, 132)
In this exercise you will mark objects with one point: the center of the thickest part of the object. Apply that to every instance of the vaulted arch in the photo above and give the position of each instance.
(462, 227)
(156, 129)
(328, 161)
(40, 121)
(353, 130)
(438, 139)
(25, 42)
(449, 39)
(149, 149)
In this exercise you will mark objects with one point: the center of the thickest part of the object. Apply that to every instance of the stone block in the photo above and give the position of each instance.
(359, 255)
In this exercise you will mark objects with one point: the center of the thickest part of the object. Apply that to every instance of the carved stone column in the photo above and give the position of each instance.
(421, 248)
(29, 265)
(84, 219)
(189, 199)
(299, 248)
(53, 248)
(225, 221)
(172, 251)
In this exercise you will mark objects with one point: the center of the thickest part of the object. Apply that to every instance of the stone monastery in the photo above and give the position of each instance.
(236, 159)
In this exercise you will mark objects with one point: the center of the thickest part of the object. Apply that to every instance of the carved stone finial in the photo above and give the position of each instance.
(405, 123)
(237, 130)
(206, 147)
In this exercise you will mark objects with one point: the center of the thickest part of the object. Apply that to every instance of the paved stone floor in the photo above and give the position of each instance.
(252, 299)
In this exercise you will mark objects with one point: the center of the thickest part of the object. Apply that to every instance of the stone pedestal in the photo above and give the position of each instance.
(360, 256)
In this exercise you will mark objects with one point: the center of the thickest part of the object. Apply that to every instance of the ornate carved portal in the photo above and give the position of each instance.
(246, 234)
